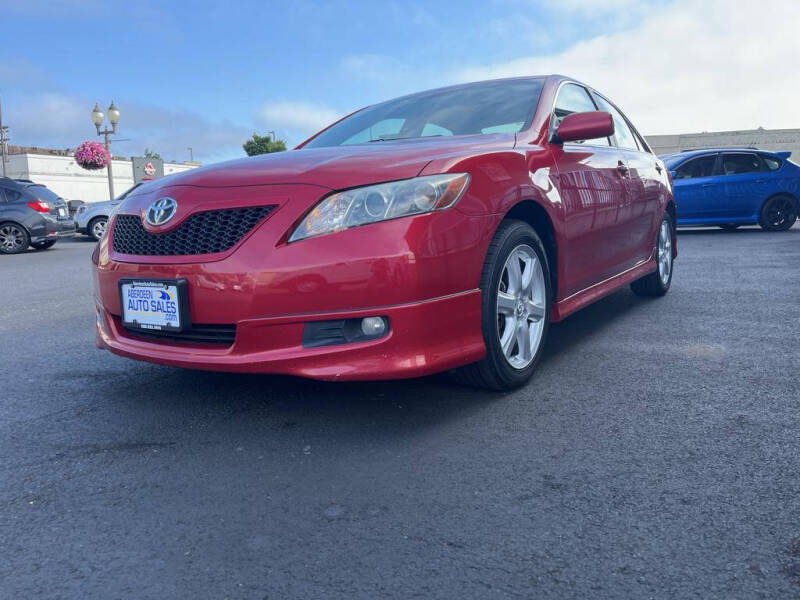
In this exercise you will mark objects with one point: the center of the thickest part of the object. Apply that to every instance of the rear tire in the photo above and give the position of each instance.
(779, 213)
(515, 309)
(657, 283)
(13, 238)
(43, 245)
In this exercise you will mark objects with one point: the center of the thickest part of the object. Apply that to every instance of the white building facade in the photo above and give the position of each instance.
(774, 140)
(72, 182)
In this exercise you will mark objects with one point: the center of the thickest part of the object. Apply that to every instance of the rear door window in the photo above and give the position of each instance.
(573, 98)
(622, 133)
(702, 166)
(737, 164)
(11, 195)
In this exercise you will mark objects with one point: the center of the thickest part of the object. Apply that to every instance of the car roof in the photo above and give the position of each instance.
(680, 156)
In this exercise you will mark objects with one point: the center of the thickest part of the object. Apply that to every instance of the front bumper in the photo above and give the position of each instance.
(421, 273)
(424, 337)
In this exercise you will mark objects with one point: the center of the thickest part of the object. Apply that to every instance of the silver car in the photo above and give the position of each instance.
(93, 218)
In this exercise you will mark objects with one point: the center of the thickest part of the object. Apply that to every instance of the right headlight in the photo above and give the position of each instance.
(373, 203)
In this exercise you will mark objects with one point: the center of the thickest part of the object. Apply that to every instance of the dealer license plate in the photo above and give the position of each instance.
(154, 305)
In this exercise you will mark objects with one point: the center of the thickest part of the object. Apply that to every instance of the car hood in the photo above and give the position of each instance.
(336, 167)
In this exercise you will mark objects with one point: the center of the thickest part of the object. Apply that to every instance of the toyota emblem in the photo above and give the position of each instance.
(161, 211)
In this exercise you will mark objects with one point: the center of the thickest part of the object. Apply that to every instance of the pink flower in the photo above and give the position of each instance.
(92, 155)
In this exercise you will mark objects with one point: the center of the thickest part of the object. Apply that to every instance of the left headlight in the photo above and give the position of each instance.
(381, 202)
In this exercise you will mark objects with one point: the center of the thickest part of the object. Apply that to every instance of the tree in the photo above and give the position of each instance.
(263, 144)
(150, 154)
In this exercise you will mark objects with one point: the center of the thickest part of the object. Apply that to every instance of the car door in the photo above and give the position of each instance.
(633, 232)
(695, 185)
(591, 182)
(743, 182)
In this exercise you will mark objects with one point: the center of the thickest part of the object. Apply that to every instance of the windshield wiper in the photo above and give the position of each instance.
(410, 137)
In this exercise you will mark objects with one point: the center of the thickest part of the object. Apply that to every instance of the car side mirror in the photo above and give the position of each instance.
(585, 126)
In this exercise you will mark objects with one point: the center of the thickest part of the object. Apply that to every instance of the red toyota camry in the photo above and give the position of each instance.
(439, 231)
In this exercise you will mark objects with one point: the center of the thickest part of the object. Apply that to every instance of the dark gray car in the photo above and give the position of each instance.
(31, 215)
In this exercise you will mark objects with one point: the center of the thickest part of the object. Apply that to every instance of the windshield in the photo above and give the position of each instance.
(487, 107)
(126, 193)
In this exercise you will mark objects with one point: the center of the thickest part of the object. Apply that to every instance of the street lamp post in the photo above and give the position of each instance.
(113, 118)
(3, 141)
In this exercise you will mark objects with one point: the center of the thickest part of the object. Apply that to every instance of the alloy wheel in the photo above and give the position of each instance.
(664, 252)
(12, 238)
(521, 306)
(779, 211)
(99, 228)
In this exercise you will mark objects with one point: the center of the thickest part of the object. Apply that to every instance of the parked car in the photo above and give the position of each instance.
(439, 231)
(91, 219)
(31, 215)
(730, 187)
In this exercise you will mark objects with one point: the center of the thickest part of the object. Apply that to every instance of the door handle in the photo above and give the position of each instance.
(622, 168)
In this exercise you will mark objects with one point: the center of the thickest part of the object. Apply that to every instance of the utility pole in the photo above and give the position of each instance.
(3, 140)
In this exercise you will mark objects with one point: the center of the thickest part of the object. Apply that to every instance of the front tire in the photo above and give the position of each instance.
(97, 228)
(516, 302)
(657, 283)
(779, 213)
(13, 238)
(43, 245)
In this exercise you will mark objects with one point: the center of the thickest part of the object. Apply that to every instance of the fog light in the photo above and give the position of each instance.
(373, 326)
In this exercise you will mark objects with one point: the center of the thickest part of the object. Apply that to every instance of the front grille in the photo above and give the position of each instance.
(222, 335)
(206, 232)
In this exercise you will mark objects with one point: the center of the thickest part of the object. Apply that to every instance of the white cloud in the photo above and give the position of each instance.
(58, 120)
(687, 66)
(297, 119)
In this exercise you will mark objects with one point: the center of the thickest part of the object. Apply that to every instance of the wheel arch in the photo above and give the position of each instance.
(672, 211)
(535, 215)
(4, 221)
(780, 193)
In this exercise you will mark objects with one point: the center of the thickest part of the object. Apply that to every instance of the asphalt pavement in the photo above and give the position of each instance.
(656, 454)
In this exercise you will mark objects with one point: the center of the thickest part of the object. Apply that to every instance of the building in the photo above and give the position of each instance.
(58, 170)
(782, 140)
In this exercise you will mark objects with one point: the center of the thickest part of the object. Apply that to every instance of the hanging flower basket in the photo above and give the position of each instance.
(92, 156)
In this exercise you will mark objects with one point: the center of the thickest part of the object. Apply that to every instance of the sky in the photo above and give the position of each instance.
(207, 75)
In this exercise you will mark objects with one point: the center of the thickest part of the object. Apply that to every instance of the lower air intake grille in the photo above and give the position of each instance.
(222, 335)
(206, 232)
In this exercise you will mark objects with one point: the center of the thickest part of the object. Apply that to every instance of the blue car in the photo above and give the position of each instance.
(730, 187)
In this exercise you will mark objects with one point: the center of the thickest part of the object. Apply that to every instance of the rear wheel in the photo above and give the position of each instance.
(515, 289)
(657, 283)
(13, 238)
(97, 228)
(43, 245)
(779, 213)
